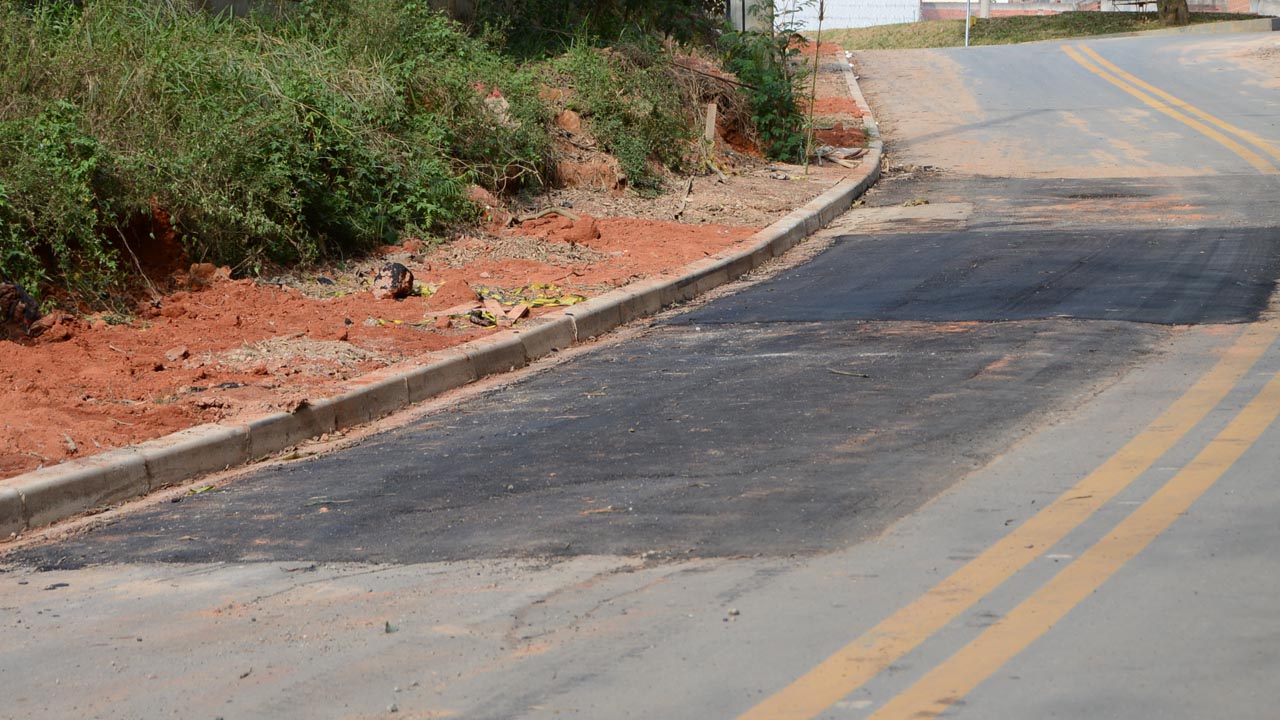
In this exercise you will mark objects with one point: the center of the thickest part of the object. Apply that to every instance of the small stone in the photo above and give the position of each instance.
(583, 230)
(54, 327)
(393, 281)
(178, 353)
(393, 708)
(57, 333)
(17, 310)
(570, 122)
(202, 275)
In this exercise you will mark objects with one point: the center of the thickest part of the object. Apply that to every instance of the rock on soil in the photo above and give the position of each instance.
(17, 311)
(393, 281)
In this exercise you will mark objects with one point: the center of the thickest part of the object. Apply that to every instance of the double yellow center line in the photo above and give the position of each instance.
(870, 654)
(867, 656)
(1235, 139)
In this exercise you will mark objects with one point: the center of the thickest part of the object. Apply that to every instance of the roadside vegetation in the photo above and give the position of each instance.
(328, 131)
(1006, 30)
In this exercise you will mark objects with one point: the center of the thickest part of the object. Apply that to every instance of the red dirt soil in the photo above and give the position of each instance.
(239, 348)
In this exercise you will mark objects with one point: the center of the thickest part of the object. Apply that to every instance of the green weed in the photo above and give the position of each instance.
(269, 140)
(633, 106)
(766, 64)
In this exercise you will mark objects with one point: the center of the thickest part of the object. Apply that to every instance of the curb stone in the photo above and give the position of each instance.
(545, 335)
(13, 519)
(58, 492)
(447, 370)
(195, 451)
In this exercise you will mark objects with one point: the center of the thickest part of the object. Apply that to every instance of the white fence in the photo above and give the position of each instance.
(852, 13)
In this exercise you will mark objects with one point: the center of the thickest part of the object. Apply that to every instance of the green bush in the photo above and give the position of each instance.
(542, 27)
(267, 140)
(291, 138)
(50, 208)
(632, 104)
(765, 65)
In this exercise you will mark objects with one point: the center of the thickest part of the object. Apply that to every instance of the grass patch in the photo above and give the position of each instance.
(1006, 30)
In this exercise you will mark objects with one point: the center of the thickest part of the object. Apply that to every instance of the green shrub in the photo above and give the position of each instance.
(318, 133)
(536, 28)
(632, 104)
(51, 204)
(268, 140)
(765, 65)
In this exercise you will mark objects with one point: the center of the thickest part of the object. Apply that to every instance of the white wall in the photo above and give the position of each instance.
(740, 12)
(855, 13)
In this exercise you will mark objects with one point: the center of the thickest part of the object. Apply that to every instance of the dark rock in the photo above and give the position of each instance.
(54, 327)
(393, 281)
(17, 311)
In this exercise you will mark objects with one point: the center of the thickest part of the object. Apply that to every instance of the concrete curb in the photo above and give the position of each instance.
(62, 491)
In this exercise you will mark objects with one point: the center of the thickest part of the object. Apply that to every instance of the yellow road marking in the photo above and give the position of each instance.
(987, 653)
(1260, 142)
(868, 655)
(1261, 163)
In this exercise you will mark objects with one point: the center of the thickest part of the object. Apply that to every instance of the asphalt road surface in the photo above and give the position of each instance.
(1003, 449)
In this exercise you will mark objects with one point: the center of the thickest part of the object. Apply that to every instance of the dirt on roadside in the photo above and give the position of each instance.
(204, 347)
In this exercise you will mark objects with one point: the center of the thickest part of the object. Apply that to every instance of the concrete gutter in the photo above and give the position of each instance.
(58, 492)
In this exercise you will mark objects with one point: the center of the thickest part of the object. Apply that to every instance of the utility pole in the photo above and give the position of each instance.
(968, 20)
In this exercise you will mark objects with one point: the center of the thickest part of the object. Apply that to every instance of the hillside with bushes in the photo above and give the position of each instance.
(137, 134)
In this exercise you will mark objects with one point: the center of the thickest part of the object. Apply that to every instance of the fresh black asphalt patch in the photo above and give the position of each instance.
(1134, 250)
(1171, 277)
(716, 442)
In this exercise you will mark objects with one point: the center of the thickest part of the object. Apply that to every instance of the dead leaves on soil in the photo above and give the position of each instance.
(504, 308)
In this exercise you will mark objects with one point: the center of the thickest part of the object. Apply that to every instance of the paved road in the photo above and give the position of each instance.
(1004, 449)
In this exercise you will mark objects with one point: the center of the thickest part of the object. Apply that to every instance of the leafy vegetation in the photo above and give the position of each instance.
(272, 140)
(549, 27)
(644, 123)
(1006, 30)
(323, 131)
(767, 64)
